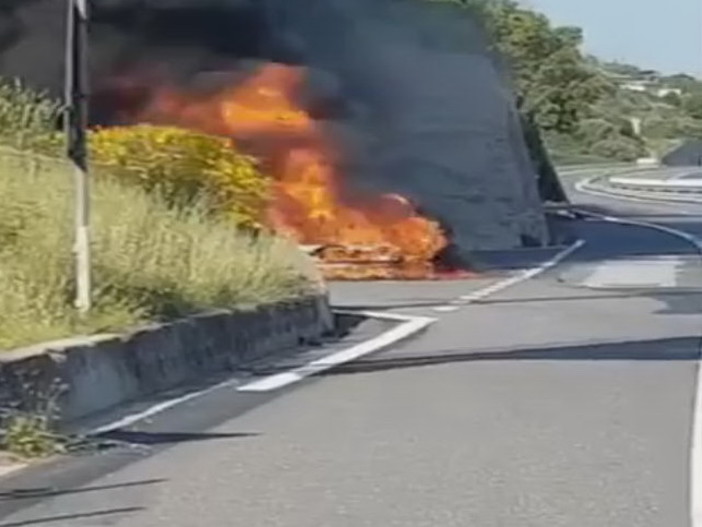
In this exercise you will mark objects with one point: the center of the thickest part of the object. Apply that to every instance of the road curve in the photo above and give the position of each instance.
(564, 400)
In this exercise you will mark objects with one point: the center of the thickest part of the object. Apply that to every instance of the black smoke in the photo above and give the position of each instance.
(409, 89)
(129, 37)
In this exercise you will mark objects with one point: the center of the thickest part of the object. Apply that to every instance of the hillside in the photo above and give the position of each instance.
(588, 109)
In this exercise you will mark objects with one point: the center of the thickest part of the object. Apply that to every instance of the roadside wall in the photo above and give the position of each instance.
(104, 371)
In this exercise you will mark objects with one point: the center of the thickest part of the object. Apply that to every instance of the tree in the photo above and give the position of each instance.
(550, 72)
(686, 83)
(692, 104)
(558, 87)
(673, 99)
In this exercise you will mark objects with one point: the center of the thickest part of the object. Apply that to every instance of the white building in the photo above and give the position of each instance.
(662, 92)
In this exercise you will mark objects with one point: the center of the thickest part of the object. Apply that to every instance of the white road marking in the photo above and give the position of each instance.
(9, 468)
(635, 272)
(696, 455)
(445, 309)
(523, 276)
(527, 274)
(151, 411)
(696, 441)
(410, 326)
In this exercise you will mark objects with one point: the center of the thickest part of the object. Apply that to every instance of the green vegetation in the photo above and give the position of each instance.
(28, 119)
(29, 435)
(182, 165)
(584, 107)
(154, 259)
(30, 432)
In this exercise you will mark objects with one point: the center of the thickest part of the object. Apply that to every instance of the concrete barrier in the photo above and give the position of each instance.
(104, 371)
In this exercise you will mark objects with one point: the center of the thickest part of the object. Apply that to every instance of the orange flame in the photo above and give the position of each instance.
(311, 200)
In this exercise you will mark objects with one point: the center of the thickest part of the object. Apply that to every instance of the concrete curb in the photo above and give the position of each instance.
(104, 371)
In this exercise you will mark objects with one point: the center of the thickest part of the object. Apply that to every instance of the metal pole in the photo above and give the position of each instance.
(76, 130)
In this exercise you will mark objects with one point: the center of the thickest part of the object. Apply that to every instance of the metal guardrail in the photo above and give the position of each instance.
(593, 166)
(679, 186)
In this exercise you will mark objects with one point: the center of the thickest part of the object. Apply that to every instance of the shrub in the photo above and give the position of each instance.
(30, 436)
(593, 131)
(183, 166)
(620, 148)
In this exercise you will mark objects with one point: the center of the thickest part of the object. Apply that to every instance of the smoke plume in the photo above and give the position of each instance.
(410, 91)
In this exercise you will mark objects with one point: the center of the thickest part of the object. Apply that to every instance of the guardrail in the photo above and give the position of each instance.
(678, 186)
(594, 166)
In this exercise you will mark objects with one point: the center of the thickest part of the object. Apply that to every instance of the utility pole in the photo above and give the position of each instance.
(76, 98)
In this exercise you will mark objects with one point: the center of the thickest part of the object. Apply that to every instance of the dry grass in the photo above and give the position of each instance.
(151, 262)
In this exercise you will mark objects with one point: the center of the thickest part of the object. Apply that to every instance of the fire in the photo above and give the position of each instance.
(361, 235)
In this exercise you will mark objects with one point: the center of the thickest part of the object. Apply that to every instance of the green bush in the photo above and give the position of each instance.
(619, 148)
(612, 138)
(692, 104)
(183, 165)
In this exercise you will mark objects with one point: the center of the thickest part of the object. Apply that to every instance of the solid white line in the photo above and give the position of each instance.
(696, 455)
(411, 326)
(696, 441)
(135, 417)
(11, 467)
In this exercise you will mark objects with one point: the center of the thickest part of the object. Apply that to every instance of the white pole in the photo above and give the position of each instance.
(76, 129)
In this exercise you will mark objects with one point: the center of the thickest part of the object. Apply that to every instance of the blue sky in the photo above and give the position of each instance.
(658, 34)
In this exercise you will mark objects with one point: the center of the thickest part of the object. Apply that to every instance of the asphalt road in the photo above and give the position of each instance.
(565, 400)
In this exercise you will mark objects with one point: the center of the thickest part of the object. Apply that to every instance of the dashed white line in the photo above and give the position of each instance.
(523, 276)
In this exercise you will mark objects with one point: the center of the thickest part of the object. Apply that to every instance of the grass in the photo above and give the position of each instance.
(151, 262)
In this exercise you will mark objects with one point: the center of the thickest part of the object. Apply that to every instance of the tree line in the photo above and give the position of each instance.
(580, 104)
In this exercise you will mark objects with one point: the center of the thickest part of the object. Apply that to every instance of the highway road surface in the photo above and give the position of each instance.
(567, 399)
